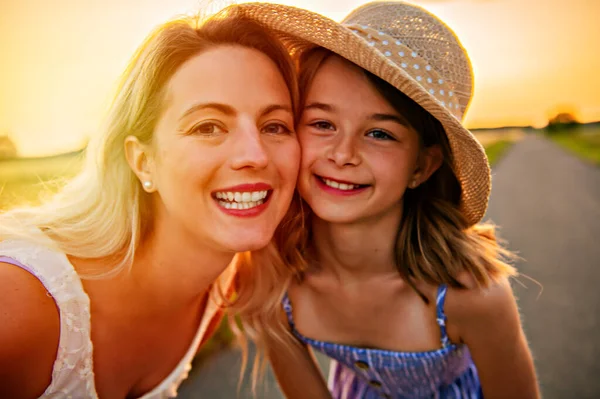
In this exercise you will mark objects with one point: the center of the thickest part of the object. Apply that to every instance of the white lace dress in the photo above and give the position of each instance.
(73, 372)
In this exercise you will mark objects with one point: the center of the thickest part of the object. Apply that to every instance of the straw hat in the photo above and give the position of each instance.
(413, 51)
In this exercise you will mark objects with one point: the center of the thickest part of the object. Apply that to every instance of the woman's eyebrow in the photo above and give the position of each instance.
(224, 108)
(321, 106)
(275, 107)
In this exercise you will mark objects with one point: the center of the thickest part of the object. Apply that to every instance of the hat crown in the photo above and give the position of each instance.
(424, 34)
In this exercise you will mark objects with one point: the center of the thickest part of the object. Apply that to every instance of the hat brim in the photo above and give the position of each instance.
(300, 29)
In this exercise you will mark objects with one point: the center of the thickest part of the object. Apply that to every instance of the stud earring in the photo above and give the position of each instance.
(147, 184)
(413, 184)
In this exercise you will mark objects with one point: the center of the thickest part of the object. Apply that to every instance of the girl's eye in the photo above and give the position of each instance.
(322, 125)
(380, 135)
(276, 128)
(207, 129)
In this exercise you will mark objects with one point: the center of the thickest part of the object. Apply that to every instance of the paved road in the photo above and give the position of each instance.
(218, 379)
(548, 204)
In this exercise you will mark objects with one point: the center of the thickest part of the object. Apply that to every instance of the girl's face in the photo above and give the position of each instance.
(225, 155)
(359, 154)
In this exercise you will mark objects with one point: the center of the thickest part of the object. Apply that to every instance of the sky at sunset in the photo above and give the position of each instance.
(60, 60)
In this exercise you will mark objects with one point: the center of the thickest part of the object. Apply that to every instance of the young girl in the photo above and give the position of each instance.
(403, 290)
(109, 289)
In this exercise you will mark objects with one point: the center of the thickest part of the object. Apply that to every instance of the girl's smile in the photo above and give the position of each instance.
(340, 187)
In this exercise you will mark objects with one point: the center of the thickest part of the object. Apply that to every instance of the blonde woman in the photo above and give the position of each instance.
(109, 289)
(404, 291)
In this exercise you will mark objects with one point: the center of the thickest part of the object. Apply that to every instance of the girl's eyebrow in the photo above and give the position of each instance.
(397, 118)
(390, 117)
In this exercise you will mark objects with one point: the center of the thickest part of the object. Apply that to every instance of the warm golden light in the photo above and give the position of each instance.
(60, 60)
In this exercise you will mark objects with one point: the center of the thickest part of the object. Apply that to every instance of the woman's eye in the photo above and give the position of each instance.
(380, 135)
(322, 125)
(276, 128)
(206, 129)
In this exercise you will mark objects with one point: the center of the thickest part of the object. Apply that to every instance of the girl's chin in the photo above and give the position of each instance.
(333, 214)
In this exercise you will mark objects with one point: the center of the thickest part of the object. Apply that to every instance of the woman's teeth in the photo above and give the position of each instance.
(241, 200)
(340, 186)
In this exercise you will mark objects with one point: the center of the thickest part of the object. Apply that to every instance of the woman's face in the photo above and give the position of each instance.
(358, 153)
(225, 155)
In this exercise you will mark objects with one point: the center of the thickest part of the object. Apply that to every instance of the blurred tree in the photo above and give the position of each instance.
(561, 121)
(8, 149)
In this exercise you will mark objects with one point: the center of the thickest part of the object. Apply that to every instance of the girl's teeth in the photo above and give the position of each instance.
(340, 186)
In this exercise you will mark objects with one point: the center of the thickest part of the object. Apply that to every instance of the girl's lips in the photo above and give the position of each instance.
(343, 188)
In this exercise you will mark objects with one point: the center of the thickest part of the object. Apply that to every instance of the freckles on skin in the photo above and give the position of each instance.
(343, 97)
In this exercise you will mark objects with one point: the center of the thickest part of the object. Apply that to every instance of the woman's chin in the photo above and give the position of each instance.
(250, 245)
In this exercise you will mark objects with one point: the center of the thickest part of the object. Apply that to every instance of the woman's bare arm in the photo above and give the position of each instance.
(29, 334)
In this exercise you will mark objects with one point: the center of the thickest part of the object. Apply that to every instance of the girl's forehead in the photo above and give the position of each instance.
(341, 85)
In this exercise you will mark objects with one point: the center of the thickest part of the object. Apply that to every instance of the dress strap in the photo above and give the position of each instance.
(287, 307)
(441, 316)
(14, 262)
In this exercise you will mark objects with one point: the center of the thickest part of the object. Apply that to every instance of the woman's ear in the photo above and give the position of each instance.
(140, 161)
(430, 159)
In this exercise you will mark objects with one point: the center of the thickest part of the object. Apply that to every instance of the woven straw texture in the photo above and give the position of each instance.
(412, 50)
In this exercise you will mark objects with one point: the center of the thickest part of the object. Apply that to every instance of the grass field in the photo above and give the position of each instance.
(496, 150)
(23, 180)
(583, 141)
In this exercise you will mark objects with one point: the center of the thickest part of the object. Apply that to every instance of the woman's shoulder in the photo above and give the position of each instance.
(29, 333)
(42, 302)
(41, 258)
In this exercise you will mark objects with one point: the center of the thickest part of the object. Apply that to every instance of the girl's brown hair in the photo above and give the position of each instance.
(435, 243)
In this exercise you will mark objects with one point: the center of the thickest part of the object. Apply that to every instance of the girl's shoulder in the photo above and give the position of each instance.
(476, 303)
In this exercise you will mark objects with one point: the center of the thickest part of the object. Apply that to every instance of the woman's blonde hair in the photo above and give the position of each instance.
(103, 212)
(259, 293)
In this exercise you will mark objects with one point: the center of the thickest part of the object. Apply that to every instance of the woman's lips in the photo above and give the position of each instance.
(244, 200)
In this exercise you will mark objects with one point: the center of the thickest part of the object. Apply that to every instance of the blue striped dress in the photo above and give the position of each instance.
(363, 373)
